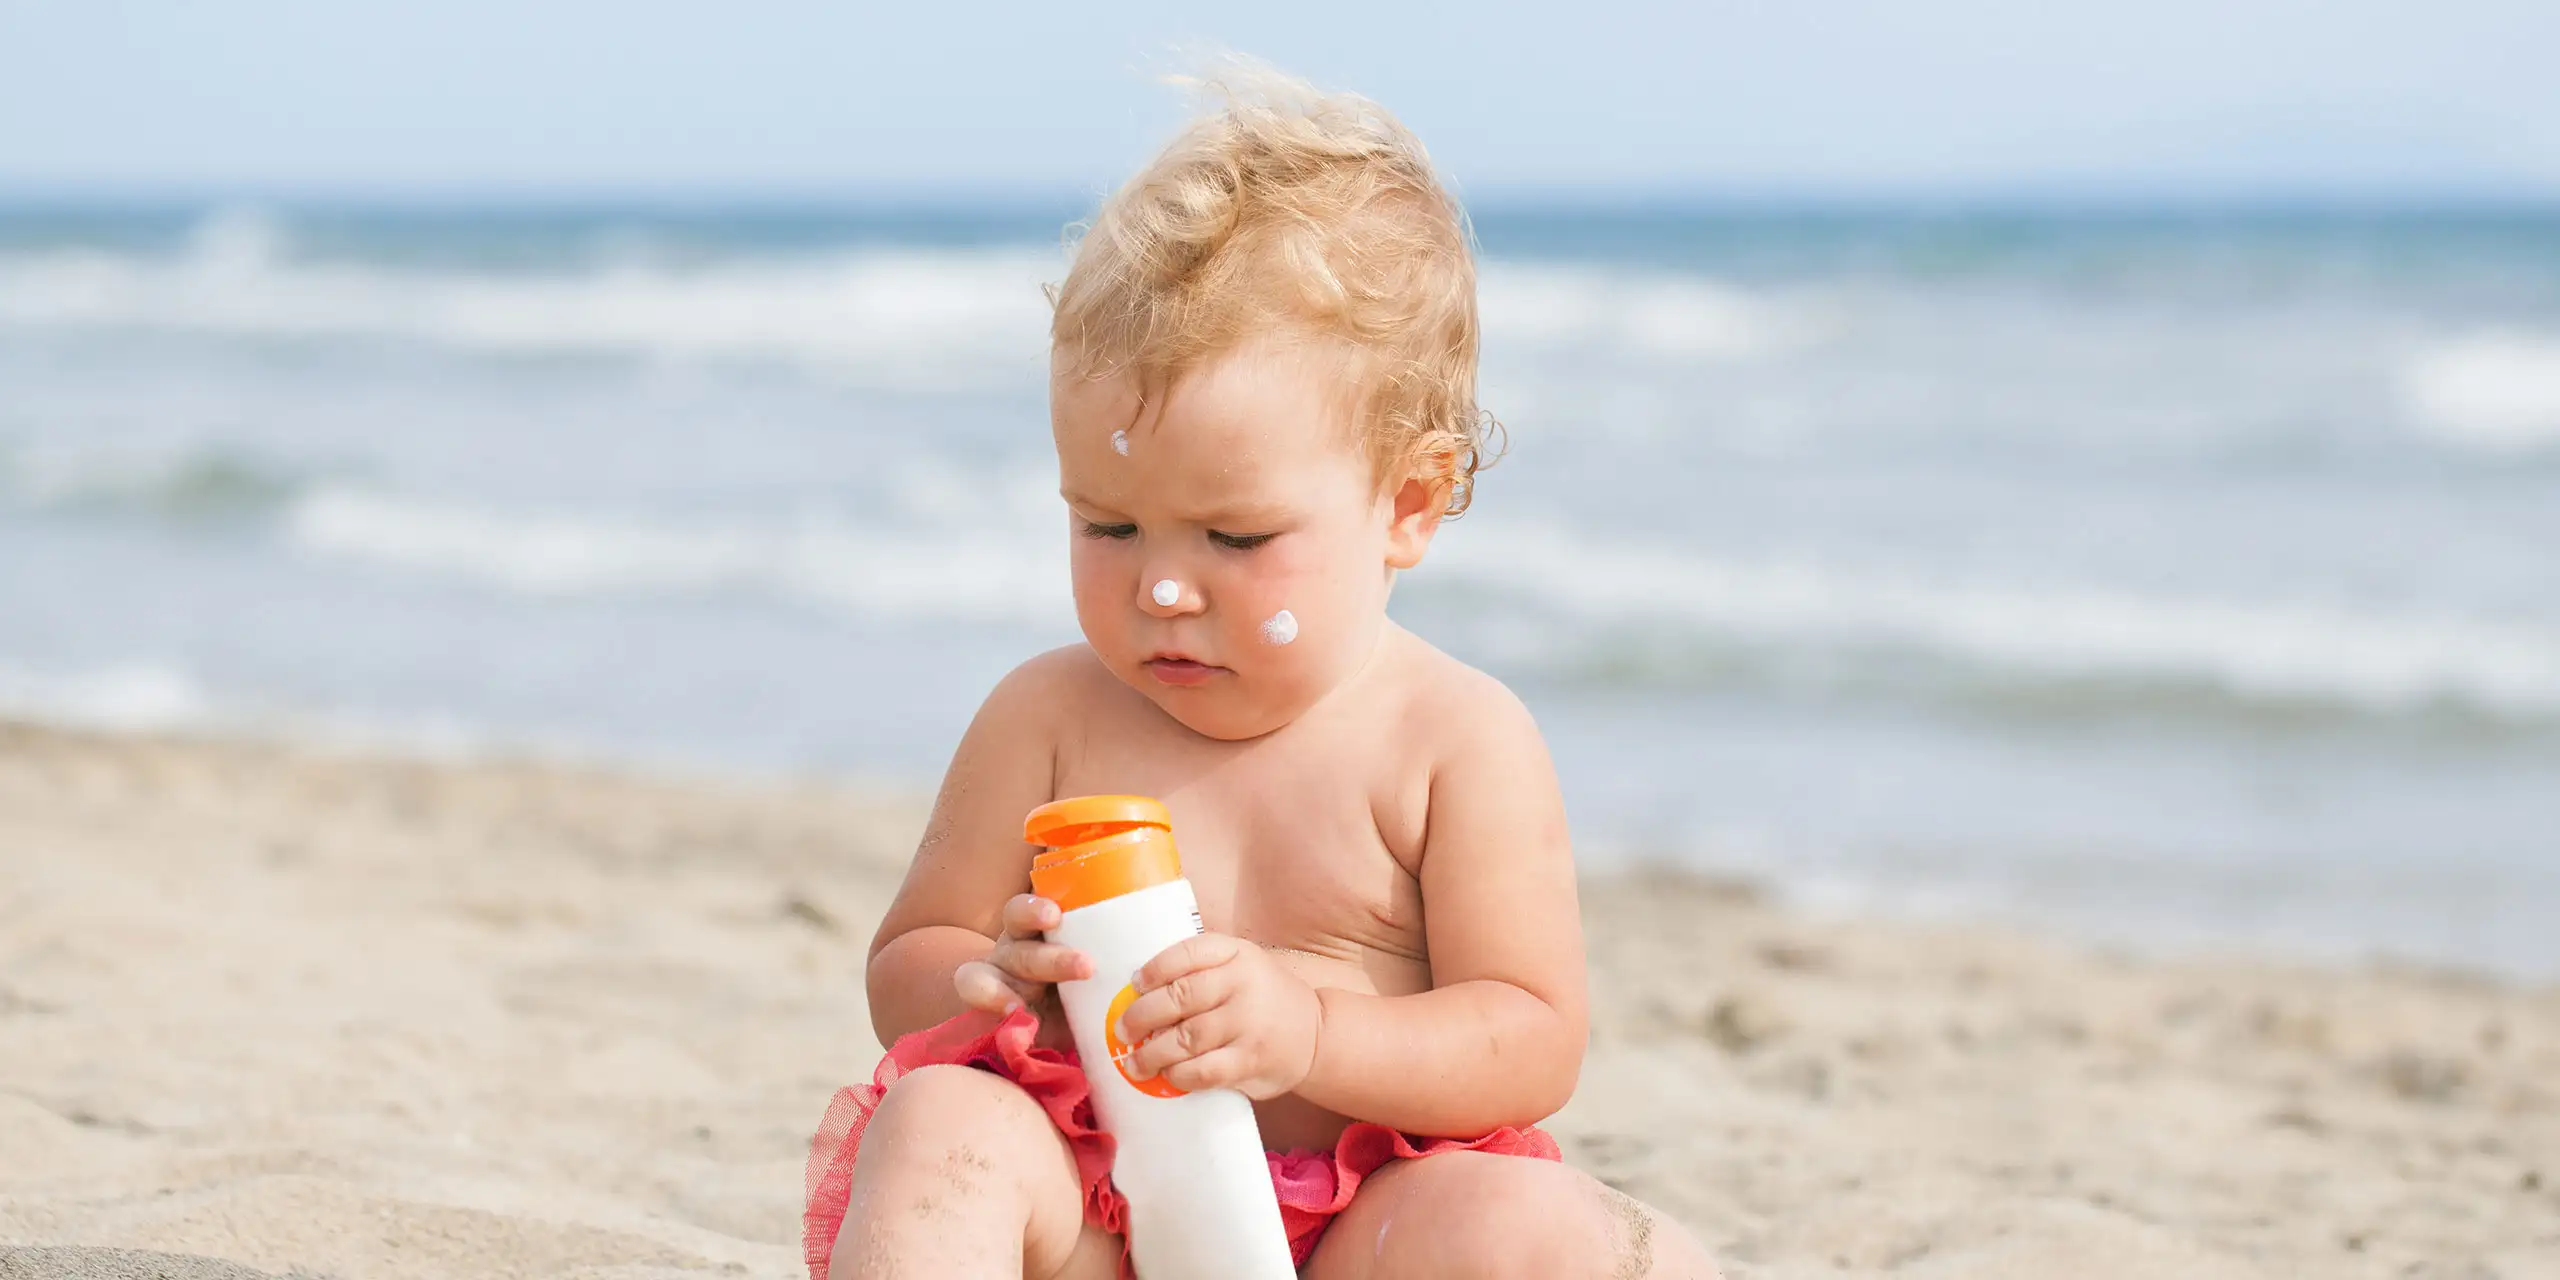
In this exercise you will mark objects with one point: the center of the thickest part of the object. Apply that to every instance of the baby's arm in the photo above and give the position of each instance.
(950, 911)
(1498, 1040)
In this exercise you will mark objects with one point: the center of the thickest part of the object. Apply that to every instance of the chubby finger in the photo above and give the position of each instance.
(1183, 1041)
(1041, 962)
(1192, 954)
(1188, 996)
(1220, 1068)
(983, 986)
(1029, 914)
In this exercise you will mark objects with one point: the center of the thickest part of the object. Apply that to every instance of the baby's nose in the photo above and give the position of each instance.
(1168, 597)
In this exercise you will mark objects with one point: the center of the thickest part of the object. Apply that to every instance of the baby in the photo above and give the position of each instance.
(1263, 402)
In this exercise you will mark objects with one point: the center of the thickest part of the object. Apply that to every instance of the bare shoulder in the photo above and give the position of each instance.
(1050, 687)
(1012, 744)
(972, 856)
(1463, 713)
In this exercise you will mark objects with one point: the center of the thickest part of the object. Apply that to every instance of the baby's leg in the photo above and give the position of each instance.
(1475, 1215)
(963, 1175)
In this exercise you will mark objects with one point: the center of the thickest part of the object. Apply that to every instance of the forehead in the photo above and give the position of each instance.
(1264, 417)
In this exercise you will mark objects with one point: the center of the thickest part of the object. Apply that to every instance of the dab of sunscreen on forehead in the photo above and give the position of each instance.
(1280, 628)
(1168, 593)
(1120, 443)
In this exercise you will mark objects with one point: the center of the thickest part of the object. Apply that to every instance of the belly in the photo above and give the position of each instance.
(1291, 1123)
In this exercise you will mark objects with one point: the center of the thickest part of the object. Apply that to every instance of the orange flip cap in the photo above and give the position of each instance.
(1100, 847)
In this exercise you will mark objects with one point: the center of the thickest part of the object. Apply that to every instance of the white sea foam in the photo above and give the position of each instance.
(2495, 392)
(125, 698)
(888, 316)
(818, 560)
(1645, 314)
(201, 480)
(238, 241)
(2276, 652)
(902, 317)
(159, 697)
(2270, 651)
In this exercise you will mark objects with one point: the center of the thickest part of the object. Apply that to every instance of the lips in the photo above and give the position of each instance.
(1181, 672)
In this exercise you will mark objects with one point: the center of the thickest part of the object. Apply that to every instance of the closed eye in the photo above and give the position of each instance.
(1240, 541)
(1093, 530)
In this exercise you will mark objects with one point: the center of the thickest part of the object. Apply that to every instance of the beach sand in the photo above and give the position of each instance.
(268, 1010)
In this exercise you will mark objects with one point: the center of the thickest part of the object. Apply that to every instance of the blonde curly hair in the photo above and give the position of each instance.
(1285, 208)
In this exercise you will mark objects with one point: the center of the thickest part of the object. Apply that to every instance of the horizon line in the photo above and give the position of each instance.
(1061, 198)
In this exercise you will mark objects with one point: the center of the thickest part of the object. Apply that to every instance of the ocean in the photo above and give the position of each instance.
(2176, 578)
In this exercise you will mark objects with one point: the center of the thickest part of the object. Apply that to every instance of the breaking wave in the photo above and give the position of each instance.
(2496, 392)
(886, 315)
(1549, 598)
(1804, 621)
(819, 560)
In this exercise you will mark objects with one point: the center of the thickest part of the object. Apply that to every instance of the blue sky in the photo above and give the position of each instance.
(767, 96)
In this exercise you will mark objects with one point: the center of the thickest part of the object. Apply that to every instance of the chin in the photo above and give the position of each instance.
(1225, 719)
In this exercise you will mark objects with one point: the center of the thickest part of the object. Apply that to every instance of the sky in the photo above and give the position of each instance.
(795, 97)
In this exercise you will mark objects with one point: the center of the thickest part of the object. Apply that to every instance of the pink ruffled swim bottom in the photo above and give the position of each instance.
(1312, 1186)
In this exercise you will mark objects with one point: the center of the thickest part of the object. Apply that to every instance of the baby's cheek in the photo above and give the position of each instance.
(1282, 599)
(1297, 616)
(1101, 604)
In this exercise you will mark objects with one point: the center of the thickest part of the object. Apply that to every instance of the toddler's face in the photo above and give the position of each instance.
(1232, 547)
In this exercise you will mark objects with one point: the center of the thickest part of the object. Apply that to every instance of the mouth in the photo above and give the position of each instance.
(1182, 672)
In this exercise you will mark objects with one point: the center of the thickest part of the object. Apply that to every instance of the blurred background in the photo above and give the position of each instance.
(2098, 468)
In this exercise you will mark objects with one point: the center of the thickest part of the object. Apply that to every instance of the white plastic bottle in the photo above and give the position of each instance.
(1201, 1205)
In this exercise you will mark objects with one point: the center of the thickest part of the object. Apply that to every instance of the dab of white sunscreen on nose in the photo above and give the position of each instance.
(1120, 443)
(1168, 593)
(1280, 628)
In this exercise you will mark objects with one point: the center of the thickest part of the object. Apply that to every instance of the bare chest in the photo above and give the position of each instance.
(1303, 842)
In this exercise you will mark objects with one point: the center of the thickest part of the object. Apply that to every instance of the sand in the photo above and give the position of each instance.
(268, 1010)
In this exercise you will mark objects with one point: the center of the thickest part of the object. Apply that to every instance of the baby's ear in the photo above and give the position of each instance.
(1419, 504)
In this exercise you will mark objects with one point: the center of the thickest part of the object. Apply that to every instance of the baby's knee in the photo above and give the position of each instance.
(965, 1155)
(1502, 1216)
(936, 1115)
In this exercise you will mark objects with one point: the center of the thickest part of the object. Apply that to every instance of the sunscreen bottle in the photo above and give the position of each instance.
(1201, 1205)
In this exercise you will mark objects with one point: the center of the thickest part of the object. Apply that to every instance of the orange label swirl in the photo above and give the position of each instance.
(1152, 1086)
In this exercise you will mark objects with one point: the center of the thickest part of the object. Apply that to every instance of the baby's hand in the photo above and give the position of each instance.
(1216, 1012)
(1020, 969)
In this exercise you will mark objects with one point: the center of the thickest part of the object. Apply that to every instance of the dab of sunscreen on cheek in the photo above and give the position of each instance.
(1280, 628)
(1120, 443)
(1168, 593)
